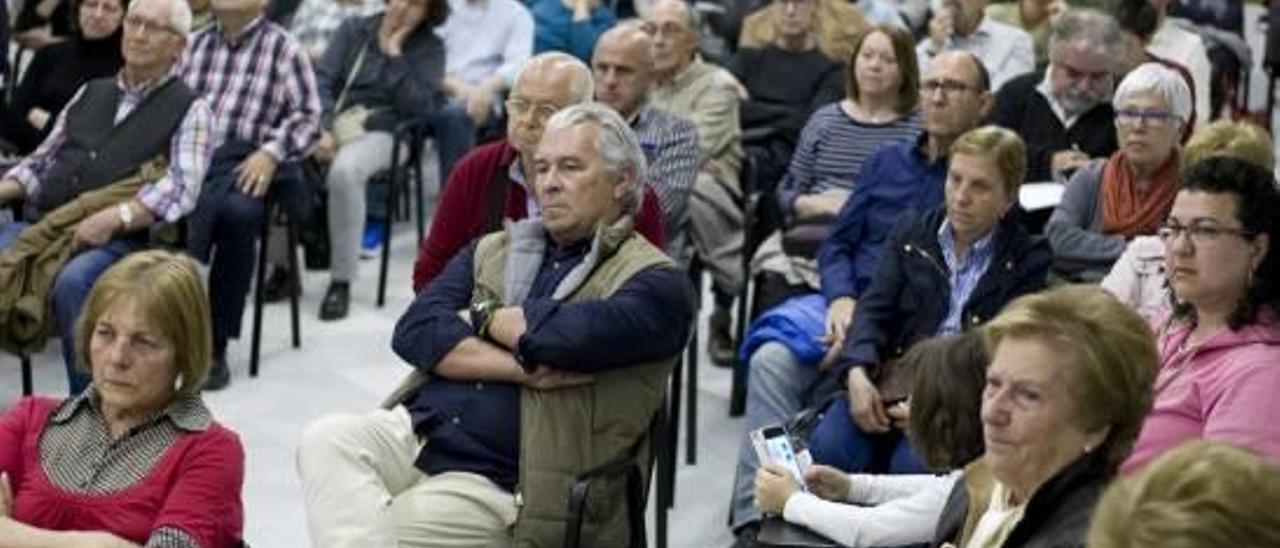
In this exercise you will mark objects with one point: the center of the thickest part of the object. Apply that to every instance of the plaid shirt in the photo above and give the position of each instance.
(670, 144)
(260, 86)
(964, 275)
(169, 198)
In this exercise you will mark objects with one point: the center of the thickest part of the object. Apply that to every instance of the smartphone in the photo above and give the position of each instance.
(773, 445)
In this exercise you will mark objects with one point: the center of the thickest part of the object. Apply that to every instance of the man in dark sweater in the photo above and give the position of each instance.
(1064, 111)
(109, 130)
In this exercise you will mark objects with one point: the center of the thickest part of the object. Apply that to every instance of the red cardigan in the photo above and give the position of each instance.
(460, 214)
(194, 487)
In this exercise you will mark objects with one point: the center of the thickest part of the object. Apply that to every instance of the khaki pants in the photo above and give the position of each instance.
(361, 489)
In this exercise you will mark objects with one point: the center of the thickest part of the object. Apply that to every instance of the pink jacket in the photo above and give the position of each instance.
(1226, 389)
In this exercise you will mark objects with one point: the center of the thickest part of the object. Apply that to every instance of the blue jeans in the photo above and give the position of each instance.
(837, 441)
(71, 289)
(455, 134)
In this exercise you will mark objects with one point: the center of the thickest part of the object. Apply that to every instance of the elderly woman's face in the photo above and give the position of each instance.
(133, 364)
(1207, 258)
(1147, 130)
(100, 18)
(1028, 420)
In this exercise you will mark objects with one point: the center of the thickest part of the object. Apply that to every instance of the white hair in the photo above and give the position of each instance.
(617, 144)
(1161, 81)
(179, 14)
(584, 89)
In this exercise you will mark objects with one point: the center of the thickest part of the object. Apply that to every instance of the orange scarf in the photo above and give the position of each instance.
(1133, 212)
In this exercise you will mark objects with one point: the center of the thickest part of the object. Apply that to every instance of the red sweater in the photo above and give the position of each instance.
(194, 487)
(460, 215)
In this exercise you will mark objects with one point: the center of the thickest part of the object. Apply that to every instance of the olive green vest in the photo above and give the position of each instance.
(569, 431)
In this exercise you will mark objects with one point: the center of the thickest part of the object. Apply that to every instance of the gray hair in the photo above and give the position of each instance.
(1158, 80)
(179, 15)
(584, 89)
(617, 144)
(1087, 29)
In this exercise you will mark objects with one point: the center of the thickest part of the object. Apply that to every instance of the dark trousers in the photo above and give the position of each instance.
(224, 228)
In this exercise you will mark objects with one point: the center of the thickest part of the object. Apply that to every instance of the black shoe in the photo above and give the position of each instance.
(219, 376)
(279, 286)
(336, 301)
(720, 337)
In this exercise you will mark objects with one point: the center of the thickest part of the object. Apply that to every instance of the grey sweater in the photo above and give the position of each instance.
(1080, 250)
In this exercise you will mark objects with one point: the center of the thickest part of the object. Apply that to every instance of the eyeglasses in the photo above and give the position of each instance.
(134, 23)
(1144, 118)
(540, 111)
(1201, 234)
(949, 88)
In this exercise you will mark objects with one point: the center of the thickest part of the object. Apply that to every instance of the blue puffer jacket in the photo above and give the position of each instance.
(908, 298)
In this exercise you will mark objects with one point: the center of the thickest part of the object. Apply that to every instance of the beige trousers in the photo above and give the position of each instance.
(361, 489)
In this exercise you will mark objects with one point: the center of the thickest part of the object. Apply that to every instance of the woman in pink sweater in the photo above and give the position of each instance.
(136, 459)
(1220, 348)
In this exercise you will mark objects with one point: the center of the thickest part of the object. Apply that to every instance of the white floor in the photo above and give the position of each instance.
(349, 366)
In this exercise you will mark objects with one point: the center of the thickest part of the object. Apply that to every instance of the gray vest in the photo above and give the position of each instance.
(97, 152)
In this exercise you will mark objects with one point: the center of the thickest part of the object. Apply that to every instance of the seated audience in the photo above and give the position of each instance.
(266, 119)
(571, 26)
(786, 80)
(880, 109)
(863, 510)
(56, 72)
(536, 381)
(378, 71)
(1064, 111)
(480, 67)
(1173, 42)
(900, 177)
(940, 272)
(1202, 493)
(136, 458)
(837, 26)
(1106, 204)
(1220, 347)
(1034, 16)
(1068, 385)
(127, 152)
(1006, 51)
(316, 22)
(1138, 277)
(494, 182)
(622, 67)
(708, 96)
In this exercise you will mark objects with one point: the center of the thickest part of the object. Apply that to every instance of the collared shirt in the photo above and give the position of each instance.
(260, 86)
(190, 148)
(963, 275)
(670, 146)
(474, 426)
(79, 456)
(1004, 50)
(1044, 89)
(315, 21)
(516, 175)
(503, 47)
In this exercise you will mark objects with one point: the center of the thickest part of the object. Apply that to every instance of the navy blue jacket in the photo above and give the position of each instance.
(895, 179)
(908, 299)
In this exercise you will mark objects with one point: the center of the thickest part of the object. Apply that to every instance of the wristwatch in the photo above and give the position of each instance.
(126, 215)
(481, 316)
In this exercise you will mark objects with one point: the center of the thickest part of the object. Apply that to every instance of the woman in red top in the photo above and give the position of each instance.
(136, 459)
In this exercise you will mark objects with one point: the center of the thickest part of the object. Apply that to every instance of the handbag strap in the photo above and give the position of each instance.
(351, 76)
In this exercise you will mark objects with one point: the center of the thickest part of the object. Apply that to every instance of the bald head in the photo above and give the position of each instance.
(546, 83)
(623, 68)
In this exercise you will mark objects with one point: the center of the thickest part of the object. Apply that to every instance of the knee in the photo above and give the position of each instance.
(770, 363)
(240, 210)
(323, 439)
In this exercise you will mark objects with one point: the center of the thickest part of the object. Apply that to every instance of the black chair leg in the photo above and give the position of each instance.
(295, 273)
(392, 205)
(28, 387)
(691, 395)
(259, 295)
(417, 192)
(664, 496)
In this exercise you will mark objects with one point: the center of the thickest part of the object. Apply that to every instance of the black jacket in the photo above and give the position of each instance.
(909, 296)
(1024, 110)
(1057, 516)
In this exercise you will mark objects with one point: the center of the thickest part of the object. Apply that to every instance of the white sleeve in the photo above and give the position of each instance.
(872, 489)
(903, 520)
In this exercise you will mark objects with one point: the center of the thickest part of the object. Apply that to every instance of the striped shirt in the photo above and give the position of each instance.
(78, 455)
(964, 275)
(832, 149)
(169, 198)
(260, 86)
(670, 146)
